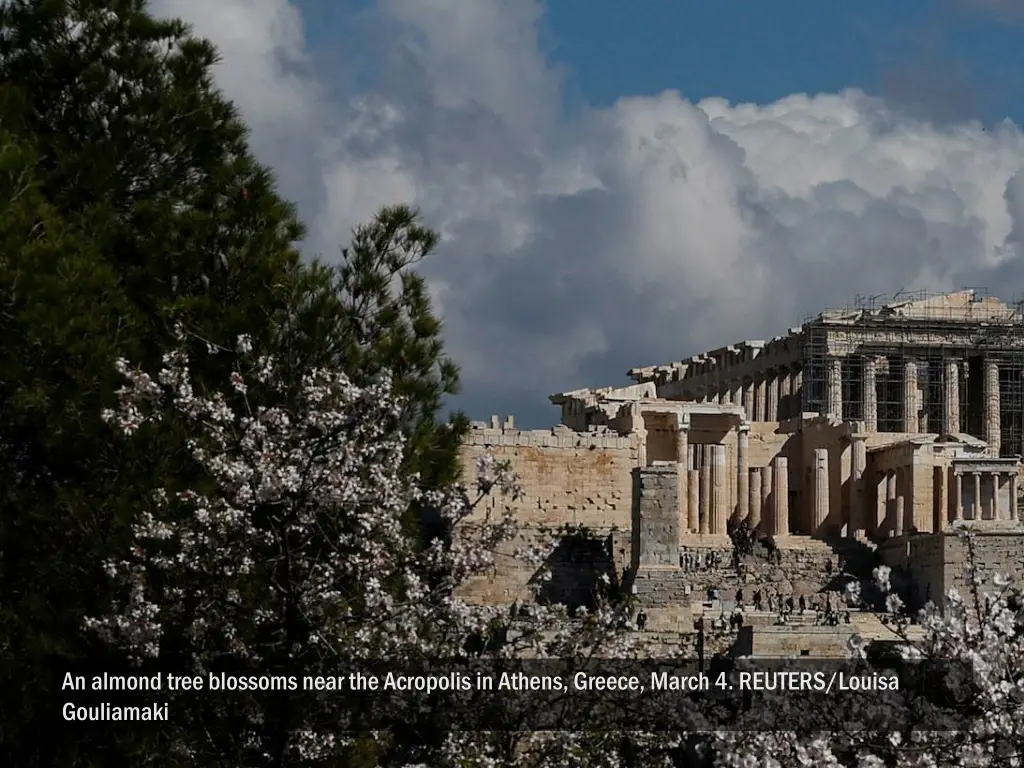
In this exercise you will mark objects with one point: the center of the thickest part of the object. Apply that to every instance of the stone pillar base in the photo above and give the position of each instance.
(661, 594)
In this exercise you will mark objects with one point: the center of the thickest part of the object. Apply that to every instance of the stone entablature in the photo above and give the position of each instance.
(761, 376)
(867, 342)
(497, 433)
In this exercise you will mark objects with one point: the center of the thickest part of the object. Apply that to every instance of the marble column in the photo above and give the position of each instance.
(958, 497)
(992, 406)
(771, 406)
(742, 472)
(869, 394)
(940, 498)
(901, 526)
(754, 517)
(682, 467)
(890, 500)
(693, 500)
(720, 490)
(834, 401)
(704, 523)
(858, 464)
(766, 499)
(748, 399)
(976, 500)
(759, 400)
(780, 497)
(1014, 481)
(881, 501)
(798, 392)
(951, 398)
(819, 511)
(736, 392)
(910, 396)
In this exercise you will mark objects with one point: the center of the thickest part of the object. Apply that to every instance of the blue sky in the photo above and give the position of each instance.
(620, 183)
(760, 52)
(952, 59)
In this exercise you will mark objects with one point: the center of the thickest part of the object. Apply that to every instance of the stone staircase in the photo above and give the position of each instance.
(804, 566)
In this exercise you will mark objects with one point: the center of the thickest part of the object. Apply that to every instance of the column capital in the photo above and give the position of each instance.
(682, 421)
(743, 428)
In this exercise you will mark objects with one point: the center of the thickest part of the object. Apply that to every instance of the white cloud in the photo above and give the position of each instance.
(578, 245)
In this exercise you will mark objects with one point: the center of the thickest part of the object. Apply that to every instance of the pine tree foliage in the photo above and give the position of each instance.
(376, 309)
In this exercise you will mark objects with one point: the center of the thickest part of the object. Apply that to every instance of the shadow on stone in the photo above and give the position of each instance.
(576, 566)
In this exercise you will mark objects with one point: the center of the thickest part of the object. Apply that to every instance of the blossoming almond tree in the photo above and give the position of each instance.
(290, 556)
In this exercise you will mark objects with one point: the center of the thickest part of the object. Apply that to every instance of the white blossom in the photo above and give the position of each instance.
(307, 499)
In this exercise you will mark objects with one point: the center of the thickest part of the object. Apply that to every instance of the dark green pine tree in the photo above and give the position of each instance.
(372, 312)
(129, 200)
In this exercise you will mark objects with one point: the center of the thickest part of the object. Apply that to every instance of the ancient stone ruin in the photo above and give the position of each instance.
(866, 435)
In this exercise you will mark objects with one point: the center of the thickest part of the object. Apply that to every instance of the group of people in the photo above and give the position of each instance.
(744, 539)
(826, 610)
(700, 561)
(734, 622)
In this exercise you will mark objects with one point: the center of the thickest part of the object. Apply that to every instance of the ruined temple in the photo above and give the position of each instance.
(878, 423)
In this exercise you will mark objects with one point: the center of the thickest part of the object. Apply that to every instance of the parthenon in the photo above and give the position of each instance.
(866, 421)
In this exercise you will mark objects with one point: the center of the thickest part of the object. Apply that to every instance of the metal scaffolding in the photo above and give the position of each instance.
(872, 332)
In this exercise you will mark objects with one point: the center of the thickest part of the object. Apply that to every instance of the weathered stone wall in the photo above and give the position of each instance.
(813, 641)
(569, 477)
(575, 564)
(583, 480)
(995, 552)
(931, 564)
